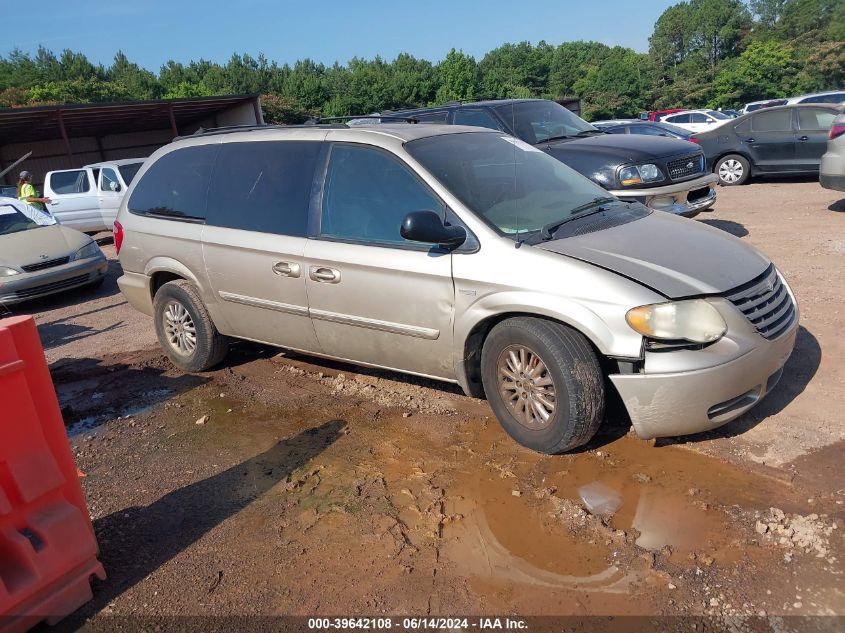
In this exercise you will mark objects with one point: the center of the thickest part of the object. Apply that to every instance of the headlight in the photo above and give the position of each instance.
(638, 174)
(694, 320)
(5, 271)
(89, 250)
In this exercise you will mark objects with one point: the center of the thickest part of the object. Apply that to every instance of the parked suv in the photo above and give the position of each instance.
(663, 173)
(457, 253)
(87, 198)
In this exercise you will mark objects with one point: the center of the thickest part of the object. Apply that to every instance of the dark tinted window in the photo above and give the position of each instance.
(838, 97)
(263, 186)
(678, 118)
(478, 118)
(367, 195)
(128, 171)
(698, 117)
(744, 127)
(772, 121)
(651, 130)
(176, 184)
(69, 182)
(815, 118)
(432, 117)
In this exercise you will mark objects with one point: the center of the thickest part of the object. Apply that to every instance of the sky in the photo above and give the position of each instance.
(150, 32)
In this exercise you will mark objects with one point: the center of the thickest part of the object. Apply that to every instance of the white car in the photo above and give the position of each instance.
(87, 198)
(697, 120)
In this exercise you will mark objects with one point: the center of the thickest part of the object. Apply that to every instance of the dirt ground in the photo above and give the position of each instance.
(280, 484)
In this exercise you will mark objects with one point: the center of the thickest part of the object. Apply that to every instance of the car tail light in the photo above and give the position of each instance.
(837, 130)
(118, 236)
(692, 139)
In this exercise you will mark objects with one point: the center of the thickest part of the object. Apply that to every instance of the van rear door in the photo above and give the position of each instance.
(73, 199)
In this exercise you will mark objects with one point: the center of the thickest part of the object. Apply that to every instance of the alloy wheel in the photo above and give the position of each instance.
(526, 386)
(179, 328)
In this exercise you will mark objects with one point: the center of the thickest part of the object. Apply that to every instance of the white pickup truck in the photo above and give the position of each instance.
(87, 198)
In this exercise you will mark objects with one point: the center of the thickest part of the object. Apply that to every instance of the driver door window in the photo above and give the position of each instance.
(367, 195)
(109, 179)
(477, 118)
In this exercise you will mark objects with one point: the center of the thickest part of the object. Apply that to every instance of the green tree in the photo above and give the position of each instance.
(457, 77)
(763, 70)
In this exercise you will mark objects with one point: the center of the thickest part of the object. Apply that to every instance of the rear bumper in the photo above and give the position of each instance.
(670, 404)
(687, 198)
(28, 286)
(836, 183)
(136, 288)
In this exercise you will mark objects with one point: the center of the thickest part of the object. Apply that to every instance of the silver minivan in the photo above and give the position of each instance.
(460, 254)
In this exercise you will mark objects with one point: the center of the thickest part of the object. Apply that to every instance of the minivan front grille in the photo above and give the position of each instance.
(686, 167)
(31, 268)
(766, 302)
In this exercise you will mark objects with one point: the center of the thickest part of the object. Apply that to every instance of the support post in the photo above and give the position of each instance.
(257, 109)
(173, 127)
(65, 138)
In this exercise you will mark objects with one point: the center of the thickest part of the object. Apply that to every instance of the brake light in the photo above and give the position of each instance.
(692, 139)
(837, 130)
(118, 236)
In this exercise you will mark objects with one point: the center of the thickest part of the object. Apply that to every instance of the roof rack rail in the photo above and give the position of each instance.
(231, 129)
(377, 117)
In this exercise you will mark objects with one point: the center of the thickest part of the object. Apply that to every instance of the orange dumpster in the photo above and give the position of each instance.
(48, 552)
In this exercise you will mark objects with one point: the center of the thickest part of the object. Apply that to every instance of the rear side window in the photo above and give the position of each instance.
(678, 118)
(128, 171)
(478, 118)
(176, 185)
(839, 97)
(432, 117)
(772, 121)
(698, 117)
(815, 118)
(64, 182)
(263, 186)
(648, 130)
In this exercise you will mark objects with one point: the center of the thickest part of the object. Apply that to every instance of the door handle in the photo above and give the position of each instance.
(325, 275)
(749, 140)
(803, 138)
(287, 269)
(54, 202)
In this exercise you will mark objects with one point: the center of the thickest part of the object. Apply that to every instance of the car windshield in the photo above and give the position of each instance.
(512, 186)
(674, 129)
(13, 221)
(128, 171)
(538, 121)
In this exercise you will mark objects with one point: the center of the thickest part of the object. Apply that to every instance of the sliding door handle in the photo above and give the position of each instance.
(287, 269)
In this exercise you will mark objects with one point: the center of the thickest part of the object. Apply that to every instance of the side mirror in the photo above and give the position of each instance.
(427, 227)
(114, 186)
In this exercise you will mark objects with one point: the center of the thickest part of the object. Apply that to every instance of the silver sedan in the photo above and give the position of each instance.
(38, 260)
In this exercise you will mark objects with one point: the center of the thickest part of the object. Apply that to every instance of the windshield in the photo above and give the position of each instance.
(13, 221)
(674, 129)
(127, 172)
(538, 121)
(513, 187)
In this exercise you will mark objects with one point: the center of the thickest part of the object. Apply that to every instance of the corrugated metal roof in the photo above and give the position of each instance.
(101, 119)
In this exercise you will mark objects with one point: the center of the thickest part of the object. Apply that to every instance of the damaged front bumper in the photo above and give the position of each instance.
(688, 198)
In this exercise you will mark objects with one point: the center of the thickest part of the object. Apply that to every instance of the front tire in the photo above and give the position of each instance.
(185, 331)
(733, 170)
(544, 383)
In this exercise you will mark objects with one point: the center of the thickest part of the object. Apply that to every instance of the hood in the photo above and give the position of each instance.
(30, 247)
(623, 148)
(674, 256)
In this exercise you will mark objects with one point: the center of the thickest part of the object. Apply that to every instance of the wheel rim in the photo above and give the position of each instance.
(731, 170)
(526, 387)
(179, 329)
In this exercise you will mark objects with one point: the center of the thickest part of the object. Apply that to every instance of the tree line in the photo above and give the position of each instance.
(713, 53)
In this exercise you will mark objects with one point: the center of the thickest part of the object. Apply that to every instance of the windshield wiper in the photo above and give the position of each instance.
(551, 228)
(555, 138)
(595, 131)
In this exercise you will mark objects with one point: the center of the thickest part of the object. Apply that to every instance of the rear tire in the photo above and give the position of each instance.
(732, 170)
(544, 383)
(185, 331)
